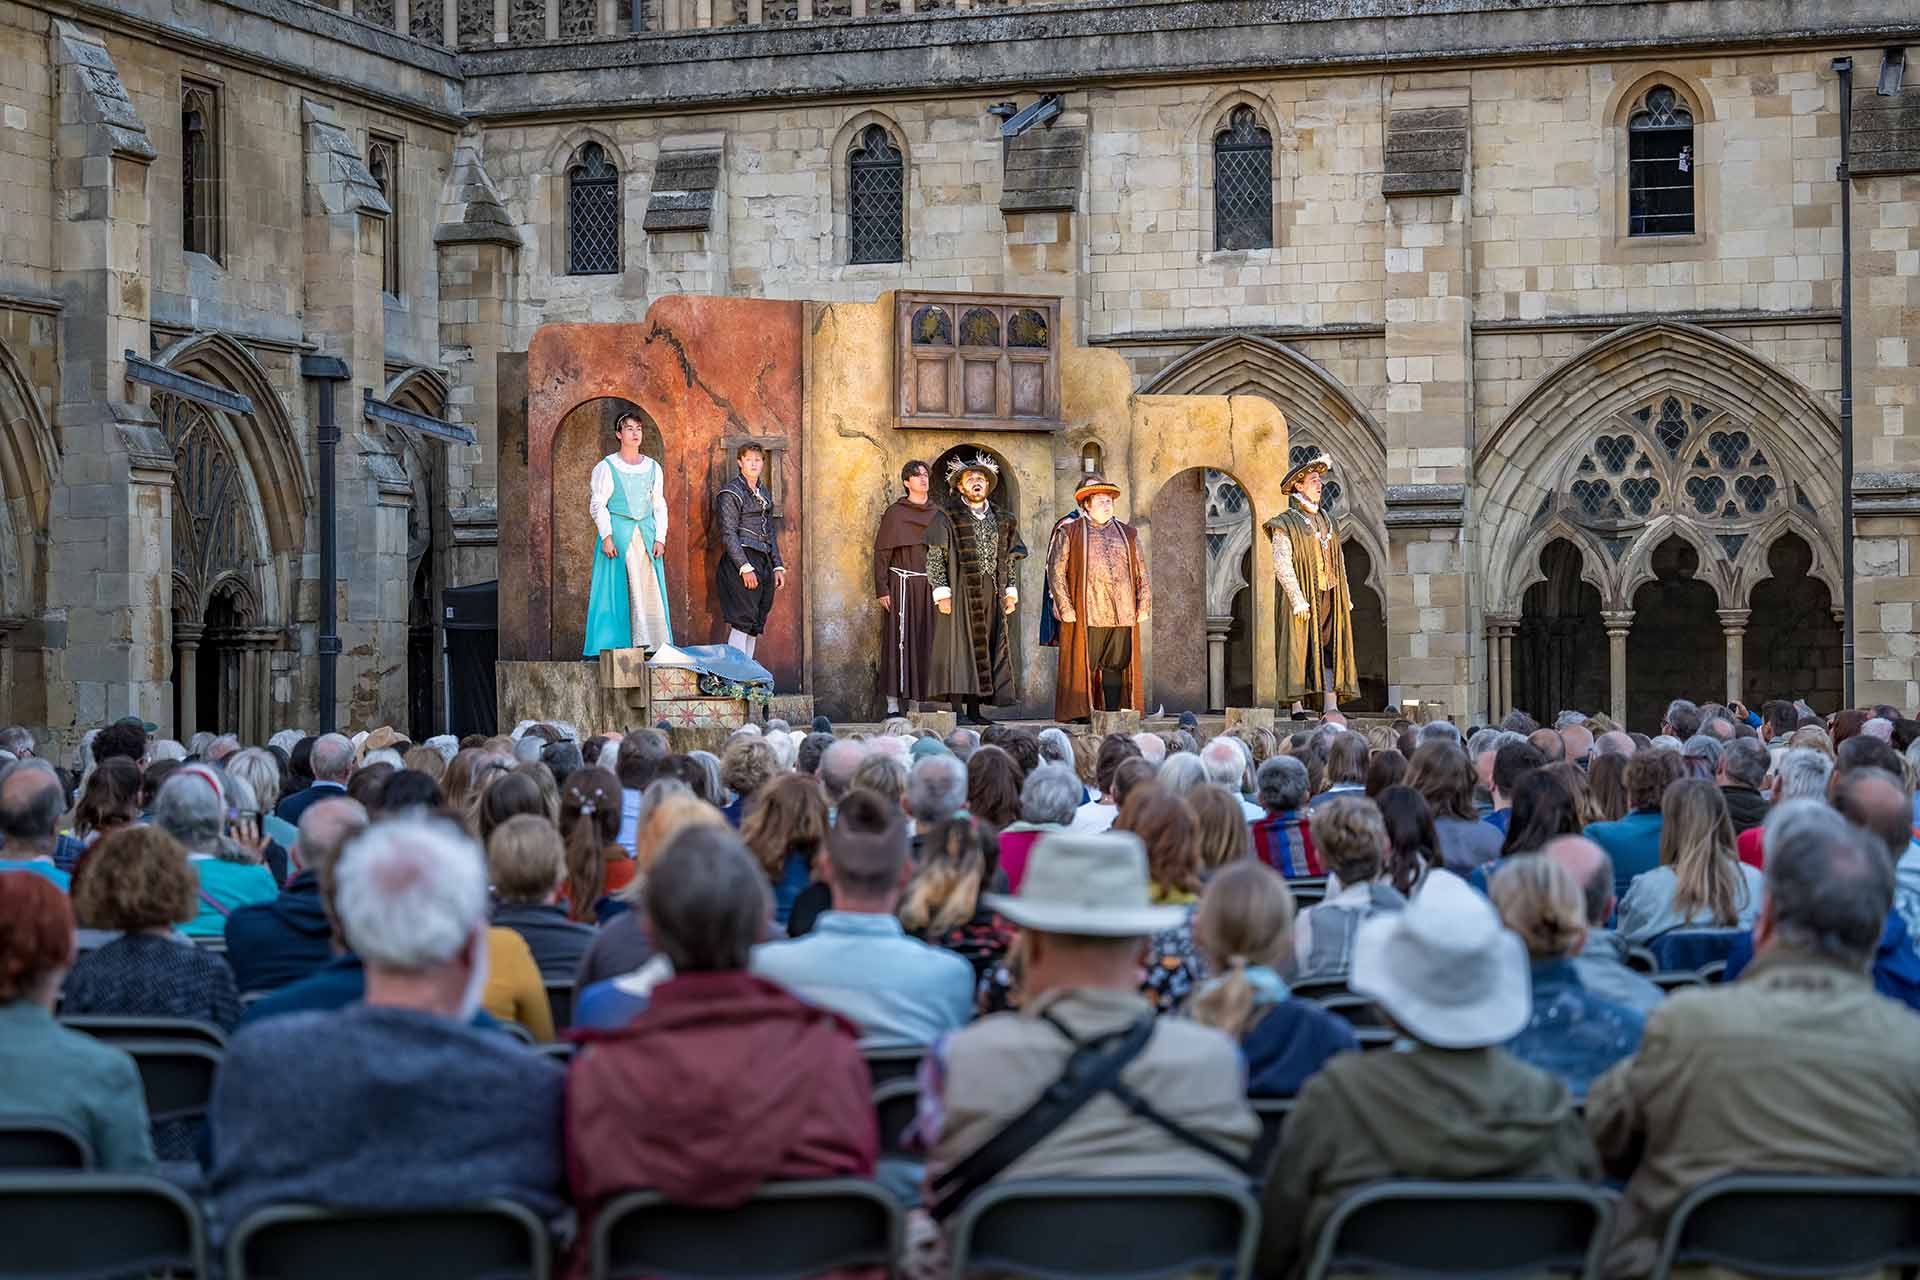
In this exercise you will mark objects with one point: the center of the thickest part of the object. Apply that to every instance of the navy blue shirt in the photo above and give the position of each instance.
(1288, 1043)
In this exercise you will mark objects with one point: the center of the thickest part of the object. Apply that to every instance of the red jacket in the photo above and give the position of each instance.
(724, 1082)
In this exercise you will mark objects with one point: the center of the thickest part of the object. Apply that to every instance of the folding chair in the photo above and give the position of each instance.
(1321, 988)
(1692, 948)
(896, 1104)
(893, 1062)
(120, 1030)
(561, 1051)
(80, 1226)
(1795, 1225)
(488, 1240)
(1673, 981)
(560, 998)
(42, 1142)
(1641, 960)
(1105, 1228)
(787, 1231)
(1358, 1010)
(177, 1077)
(1478, 1229)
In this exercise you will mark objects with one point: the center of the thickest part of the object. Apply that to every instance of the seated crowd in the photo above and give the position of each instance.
(1508, 954)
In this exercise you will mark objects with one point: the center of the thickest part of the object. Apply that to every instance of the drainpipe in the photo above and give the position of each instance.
(1843, 67)
(327, 370)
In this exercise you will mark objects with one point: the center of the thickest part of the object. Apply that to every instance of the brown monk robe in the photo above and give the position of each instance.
(1101, 596)
(900, 578)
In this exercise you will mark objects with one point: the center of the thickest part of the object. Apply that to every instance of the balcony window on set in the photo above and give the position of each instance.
(1660, 166)
(876, 198)
(1243, 183)
(593, 213)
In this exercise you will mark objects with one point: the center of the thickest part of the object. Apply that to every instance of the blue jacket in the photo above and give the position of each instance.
(1896, 965)
(271, 944)
(1288, 1043)
(335, 985)
(1572, 1034)
(1632, 844)
(292, 807)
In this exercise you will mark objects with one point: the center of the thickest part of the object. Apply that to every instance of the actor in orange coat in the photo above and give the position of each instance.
(1101, 596)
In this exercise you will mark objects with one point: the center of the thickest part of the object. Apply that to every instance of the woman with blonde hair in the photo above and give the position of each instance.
(1812, 736)
(1220, 828)
(1086, 758)
(549, 786)
(467, 777)
(1244, 929)
(1700, 882)
(1572, 1034)
(426, 760)
(942, 903)
(784, 831)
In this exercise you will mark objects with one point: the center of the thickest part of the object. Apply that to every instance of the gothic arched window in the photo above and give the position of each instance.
(200, 222)
(1243, 183)
(1660, 165)
(876, 198)
(593, 213)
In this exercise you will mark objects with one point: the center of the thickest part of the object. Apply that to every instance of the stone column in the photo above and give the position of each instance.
(1500, 630)
(1428, 411)
(1217, 629)
(186, 672)
(7, 627)
(1733, 622)
(1618, 622)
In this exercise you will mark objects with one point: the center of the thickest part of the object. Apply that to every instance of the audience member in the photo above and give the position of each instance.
(1098, 813)
(192, 808)
(272, 944)
(1084, 911)
(724, 1082)
(1633, 842)
(1700, 882)
(1541, 808)
(591, 806)
(1180, 773)
(1152, 748)
(1549, 744)
(784, 831)
(993, 787)
(1572, 1033)
(401, 1102)
(330, 760)
(1346, 769)
(109, 801)
(747, 764)
(1048, 800)
(1244, 929)
(1512, 762)
(838, 761)
(1443, 775)
(31, 802)
(45, 1069)
(527, 867)
(1607, 786)
(1220, 828)
(885, 774)
(1352, 837)
(125, 738)
(1450, 1104)
(858, 960)
(1800, 1067)
(1700, 755)
(1602, 962)
(1283, 839)
(1413, 846)
(1743, 771)
(1228, 761)
(1801, 773)
(1682, 720)
(1576, 743)
(943, 902)
(259, 770)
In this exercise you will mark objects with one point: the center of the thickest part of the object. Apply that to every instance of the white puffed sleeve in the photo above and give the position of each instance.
(659, 504)
(599, 493)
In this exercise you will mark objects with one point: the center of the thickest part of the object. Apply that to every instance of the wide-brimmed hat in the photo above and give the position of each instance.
(1445, 969)
(958, 466)
(1094, 885)
(1094, 485)
(382, 738)
(1318, 462)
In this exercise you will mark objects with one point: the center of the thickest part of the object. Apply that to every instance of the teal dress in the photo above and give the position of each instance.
(610, 598)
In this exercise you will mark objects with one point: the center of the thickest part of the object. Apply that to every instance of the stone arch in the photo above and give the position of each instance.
(839, 193)
(1211, 120)
(429, 544)
(1637, 568)
(1527, 570)
(29, 465)
(275, 470)
(1526, 462)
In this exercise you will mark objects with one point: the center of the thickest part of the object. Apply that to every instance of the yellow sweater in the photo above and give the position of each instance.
(514, 990)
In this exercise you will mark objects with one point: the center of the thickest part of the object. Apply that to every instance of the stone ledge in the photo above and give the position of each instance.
(1886, 493)
(682, 199)
(1426, 506)
(1042, 171)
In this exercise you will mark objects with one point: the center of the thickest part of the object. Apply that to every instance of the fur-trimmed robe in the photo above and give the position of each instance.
(973, 645)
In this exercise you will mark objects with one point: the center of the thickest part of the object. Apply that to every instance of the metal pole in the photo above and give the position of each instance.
(1843, 67)
(328, 370)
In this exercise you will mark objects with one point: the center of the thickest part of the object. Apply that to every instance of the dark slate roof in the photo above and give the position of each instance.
(1426, 152)
(1043, 170)
(1886, 133)
(683, 187)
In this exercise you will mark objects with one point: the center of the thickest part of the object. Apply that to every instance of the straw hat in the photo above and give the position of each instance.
(1087, 884)
(1093, 485)
(1445, 969)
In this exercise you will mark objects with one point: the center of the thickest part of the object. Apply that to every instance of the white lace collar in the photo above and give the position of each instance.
(614, 460)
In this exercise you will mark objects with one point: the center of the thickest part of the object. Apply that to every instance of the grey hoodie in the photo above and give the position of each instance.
(1414, 1112)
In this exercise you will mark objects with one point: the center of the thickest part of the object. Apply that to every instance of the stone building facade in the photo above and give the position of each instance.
(1558, 282)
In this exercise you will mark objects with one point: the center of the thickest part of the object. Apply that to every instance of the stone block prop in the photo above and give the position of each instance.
(569, 691)
(623, 668)
(795, 708)
(1106, 722)
(685, 738)
(1250, 717)
(940, 722)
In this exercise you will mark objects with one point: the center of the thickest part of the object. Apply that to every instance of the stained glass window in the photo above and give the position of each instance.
(1243, 184)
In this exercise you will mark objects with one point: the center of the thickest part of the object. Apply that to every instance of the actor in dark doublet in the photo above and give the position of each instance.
(973, 555)
(750, 569)
(900, 585)
(1098, 587)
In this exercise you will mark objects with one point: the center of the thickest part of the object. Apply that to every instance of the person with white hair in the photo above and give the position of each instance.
(402, 1098)
(1056, 747)
(1181, 773)
(1226, 762)
(165, 749)
(331, 765)
(286, 740)
(1153, 748)
(192, 808)
(391, 758)
(1878, 727)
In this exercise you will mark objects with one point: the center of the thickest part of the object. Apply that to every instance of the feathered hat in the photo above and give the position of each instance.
(1318, 462)
(958, 466)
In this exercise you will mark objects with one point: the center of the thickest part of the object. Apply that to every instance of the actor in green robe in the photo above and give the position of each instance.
(1315, 640)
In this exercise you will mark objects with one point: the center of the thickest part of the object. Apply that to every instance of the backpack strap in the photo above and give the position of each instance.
(214, 902)
(1094, 1068)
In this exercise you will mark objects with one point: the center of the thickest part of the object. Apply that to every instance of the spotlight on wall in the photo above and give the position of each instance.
(1004, 110)
(1893, 71)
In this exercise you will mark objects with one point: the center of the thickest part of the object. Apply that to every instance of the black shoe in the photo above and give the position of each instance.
(974, 717)
(1081, 720)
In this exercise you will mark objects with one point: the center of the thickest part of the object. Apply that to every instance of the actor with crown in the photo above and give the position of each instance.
(1098, 585)
(973, 555)
(627, 598)
(1315, 639)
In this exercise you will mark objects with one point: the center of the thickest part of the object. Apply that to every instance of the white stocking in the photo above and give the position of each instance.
(1333, 702)
(753, 642)
(740, 640)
